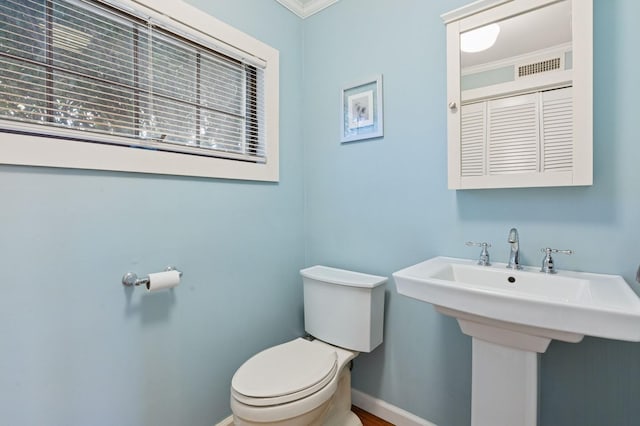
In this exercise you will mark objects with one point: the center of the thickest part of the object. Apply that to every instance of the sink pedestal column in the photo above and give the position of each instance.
(504, 370)
(504, 389)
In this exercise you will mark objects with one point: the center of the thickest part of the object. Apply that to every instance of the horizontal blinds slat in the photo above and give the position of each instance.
(98, 137)
(188, 32)
(93, 41)
(16, 31)
(113, 74)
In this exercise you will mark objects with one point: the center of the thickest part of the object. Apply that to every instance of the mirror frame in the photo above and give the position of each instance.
(483, 12)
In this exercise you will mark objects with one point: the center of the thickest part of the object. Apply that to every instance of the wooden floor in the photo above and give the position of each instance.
(369, 419)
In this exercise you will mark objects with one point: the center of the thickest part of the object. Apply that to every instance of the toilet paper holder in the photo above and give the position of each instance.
(130, 279)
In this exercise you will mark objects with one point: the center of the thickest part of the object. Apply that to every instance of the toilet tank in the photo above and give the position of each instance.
(344, 308)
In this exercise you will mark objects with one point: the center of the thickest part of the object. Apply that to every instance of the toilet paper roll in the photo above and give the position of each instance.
(163, 280)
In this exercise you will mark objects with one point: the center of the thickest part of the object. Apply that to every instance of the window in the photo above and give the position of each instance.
(83, 78)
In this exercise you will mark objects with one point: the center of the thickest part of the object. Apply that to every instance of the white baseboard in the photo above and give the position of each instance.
(386, 411)
(226, 422)
(375, 406)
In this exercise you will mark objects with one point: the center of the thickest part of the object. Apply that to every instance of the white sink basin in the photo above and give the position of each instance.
(512, 317)
(564, 306)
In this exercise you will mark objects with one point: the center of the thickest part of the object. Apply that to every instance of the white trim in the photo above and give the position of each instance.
(582, 12)
(29, 150)
(533, 83)
(386, 411)
(226, 422)
(294, 6)
(470, 9)
(306, 10)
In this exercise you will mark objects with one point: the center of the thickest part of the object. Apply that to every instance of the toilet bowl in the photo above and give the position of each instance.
(307, 381)
(299, 383)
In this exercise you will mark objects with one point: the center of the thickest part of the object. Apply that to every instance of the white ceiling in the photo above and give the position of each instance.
(306, 8)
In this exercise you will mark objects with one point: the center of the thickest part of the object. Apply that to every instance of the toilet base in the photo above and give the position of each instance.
(340, 413)
(348, 419)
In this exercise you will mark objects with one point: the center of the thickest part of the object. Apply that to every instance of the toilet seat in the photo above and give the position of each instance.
(284, 373)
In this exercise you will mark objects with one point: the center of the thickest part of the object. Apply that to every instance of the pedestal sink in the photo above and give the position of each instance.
(512, 316)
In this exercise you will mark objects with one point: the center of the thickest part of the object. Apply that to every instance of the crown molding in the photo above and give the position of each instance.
(304, 10)
(471, 9)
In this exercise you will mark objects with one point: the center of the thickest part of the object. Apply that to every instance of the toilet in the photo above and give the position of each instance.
(307, 381)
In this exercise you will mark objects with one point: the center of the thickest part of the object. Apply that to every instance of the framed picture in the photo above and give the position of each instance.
(361, 111)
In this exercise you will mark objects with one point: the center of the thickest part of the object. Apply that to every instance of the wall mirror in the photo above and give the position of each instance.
(520, 94)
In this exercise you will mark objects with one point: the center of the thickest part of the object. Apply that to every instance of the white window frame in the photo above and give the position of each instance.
(32, 150)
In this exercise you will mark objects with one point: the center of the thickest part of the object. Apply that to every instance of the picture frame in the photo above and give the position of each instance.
(361, 112)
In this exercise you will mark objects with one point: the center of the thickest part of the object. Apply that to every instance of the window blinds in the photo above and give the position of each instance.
(89, 71)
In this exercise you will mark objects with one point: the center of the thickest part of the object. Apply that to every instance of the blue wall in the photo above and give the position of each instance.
(380, 205)
(77, 348)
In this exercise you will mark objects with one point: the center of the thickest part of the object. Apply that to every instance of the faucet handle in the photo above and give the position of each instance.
(548, 266)
(483, 260)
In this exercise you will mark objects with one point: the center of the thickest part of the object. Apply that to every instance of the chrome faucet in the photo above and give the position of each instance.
(514, 254)
(548, 266)
(483, 260)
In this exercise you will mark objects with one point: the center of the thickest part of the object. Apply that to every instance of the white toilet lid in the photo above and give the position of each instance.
(284, 373)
